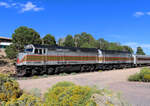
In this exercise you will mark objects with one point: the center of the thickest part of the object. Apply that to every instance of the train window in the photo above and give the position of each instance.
(44, 51)
(36, 51)
(40, 51)
(28, 50)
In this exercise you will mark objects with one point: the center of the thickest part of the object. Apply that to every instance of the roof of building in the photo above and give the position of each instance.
(5, 38)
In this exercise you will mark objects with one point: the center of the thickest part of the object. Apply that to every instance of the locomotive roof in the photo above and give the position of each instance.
(115, 51)
(70, 48)
(81, 49)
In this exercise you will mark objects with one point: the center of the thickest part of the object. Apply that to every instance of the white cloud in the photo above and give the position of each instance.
(138, 14)
(148, 13)
(134, 45)
(29, 6)
(6, 5)
(14, 4)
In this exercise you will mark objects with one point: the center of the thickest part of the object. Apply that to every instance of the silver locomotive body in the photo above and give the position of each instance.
(40, 59)
(54, 59)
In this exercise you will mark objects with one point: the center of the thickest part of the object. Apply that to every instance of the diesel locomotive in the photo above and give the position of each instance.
(44, 59)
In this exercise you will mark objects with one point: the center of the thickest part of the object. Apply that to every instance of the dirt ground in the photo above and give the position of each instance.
(135, 93)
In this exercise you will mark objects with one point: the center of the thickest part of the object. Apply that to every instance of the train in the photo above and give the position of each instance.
(45, 59)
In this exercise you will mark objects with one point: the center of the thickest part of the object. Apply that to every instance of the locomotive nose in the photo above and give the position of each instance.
(17, 60)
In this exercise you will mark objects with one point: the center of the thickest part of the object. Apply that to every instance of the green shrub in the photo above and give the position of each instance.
(11, 51)
(24, 100)
(12, 95)
(147, 77)
(135, 77)
(36, 92)
(9, 88)
(63, 84)
(145, 71)
(68, 94)
(91, 103)
(143, 75)
(61, 94)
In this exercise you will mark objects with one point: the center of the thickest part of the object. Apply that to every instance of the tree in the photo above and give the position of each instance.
(87, 38)
(11, 51)
(140, 51)
(102, 44)
(61, 41)
(86, 45)
(77, 40)
(69, 42)
(49, 40)
(24, 36)
(127, 48)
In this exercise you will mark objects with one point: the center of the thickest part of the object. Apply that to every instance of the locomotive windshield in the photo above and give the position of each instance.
(29, 50)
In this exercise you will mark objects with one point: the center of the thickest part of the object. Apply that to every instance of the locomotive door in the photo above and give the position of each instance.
(45, 56)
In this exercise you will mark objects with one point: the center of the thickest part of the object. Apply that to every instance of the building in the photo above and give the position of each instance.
(4, 42)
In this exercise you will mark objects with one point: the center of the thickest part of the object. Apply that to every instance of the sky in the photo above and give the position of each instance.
(124, 21)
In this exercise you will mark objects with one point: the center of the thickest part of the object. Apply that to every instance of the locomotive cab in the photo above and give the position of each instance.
(32, 56)
(29, 49)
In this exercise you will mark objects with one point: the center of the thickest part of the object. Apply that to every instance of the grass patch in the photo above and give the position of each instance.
(63, 74)
(100, 71)
(73, 73)
(35, 77)
(45, 76)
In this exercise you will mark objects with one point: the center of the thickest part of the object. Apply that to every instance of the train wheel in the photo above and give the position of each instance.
(57, 70)
(34, 72)
(92, 68)
(83, 68)
(50, 71)
(21, 73)
(110, 67)
(42, 71)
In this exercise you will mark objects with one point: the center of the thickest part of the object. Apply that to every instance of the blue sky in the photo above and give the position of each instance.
(124, 21)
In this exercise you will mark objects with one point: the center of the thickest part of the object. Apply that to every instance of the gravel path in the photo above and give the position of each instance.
(136, 93)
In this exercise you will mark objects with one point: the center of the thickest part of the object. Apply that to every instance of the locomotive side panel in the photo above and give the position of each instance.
(111, 57)
(57, 56)
(77, 57)
(52, 57)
